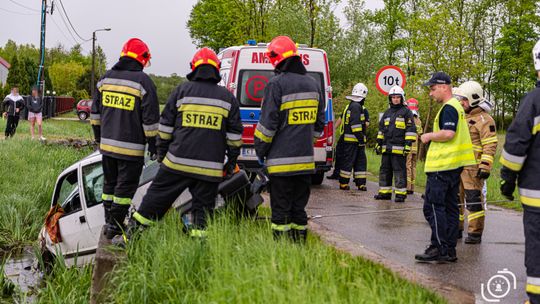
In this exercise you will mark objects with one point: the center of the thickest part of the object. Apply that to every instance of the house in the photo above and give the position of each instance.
(4, 70)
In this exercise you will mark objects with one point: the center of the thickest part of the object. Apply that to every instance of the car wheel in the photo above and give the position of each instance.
(317, 178)
(83, 115)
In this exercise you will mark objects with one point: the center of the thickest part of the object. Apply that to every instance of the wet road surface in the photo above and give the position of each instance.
(399, 235)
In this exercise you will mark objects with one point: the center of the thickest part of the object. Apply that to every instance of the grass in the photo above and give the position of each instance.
(240, 263)
(53, 129)
(29, 171)
(493, 182)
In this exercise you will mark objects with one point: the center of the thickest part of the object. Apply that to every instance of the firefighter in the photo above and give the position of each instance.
(412, 104)
(396, 134)
(292, 117)
(354, 140)
(124, 117)
(484, 140)
(521, 162)
(449, 151)
(339, 153)
(199, 126)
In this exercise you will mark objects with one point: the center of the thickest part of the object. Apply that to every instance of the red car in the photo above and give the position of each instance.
(83, 108)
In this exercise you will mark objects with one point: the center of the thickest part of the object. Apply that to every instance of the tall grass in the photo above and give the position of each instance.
(66, 285)
(493, 182)
(241, 263)
(28, 174)
(53, 129)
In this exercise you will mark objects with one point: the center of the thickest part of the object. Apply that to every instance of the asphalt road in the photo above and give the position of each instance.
(399, 235)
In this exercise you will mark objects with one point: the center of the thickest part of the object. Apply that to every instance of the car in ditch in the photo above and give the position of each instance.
(74, 222)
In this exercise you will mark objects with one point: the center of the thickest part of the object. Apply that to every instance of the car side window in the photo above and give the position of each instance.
(93, 184)
(67, 195)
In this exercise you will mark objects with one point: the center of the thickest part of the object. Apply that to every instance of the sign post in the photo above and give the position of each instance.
(389, 76)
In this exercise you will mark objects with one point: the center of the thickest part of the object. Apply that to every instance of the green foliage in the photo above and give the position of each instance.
(165, 85)
(64, 76)
(30, 170)
(240, 262)
(18, 76)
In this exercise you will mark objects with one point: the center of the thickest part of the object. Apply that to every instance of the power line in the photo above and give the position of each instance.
(59, 29)
(74, 30)
(26, 7)
(67, 27)
(18, 13)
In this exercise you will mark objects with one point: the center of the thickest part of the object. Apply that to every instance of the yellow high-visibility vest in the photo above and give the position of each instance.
(455, 153)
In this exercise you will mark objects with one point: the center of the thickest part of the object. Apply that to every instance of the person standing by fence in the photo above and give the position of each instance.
(35, 107)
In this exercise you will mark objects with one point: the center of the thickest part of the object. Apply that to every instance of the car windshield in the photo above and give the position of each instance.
(252, 83)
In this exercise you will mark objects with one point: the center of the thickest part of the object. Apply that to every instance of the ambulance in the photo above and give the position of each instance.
(245, 71)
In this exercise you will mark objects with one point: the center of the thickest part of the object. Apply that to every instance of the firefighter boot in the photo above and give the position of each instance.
(279, 234)
(298, 235)
(107, 210)
(344, 187)
(410, 192)
(400, 198)
(133, 229)
(473, 239)
(362, 187)
(383, 196)
(118, 215)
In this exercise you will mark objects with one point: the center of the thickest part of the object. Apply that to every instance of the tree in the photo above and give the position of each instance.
(17, 76)
(64, 76)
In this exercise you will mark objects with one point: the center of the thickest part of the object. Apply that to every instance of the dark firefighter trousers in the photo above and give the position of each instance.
(289, 196)
(393, 166)
(531, 225)
(119, 187)
(11, 126)
(354, 159)
(167, 187)
(441, 208)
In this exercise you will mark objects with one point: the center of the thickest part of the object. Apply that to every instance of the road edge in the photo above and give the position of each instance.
(451, 293)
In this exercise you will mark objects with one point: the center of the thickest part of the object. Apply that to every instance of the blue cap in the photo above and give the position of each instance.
(438, 78)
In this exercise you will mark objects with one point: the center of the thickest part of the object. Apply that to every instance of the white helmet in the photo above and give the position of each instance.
(396, 90)
(359, 92)
(486, 105)
(536, 56)
(471, 90)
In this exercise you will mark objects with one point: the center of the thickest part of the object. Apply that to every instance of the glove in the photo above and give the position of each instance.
(152, 150)
(229, 167)
(482, 174)
(378, 149)
(508, 183)
(406, 150)
(260, 160)
(507, 189)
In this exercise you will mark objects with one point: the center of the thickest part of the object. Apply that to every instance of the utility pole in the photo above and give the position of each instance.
(92, 85)
(40, 77)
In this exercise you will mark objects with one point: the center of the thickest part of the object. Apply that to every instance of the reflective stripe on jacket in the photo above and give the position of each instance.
(292, 115)
(396, 129)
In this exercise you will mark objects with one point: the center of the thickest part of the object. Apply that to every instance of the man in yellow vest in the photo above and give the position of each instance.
(450, 150)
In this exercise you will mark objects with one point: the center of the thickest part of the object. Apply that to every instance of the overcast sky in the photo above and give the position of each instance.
(160, 23)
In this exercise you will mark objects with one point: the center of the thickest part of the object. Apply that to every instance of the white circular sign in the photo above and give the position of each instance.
(389, 76)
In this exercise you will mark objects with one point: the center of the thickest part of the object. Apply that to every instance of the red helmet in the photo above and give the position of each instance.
(138, 50)
(281, 48)
(412, 104)
(205, 56)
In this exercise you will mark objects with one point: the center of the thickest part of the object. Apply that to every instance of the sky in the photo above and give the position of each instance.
(160, 23)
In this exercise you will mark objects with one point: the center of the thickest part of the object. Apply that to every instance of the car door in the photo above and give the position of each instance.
(76, 236)
(92, 182)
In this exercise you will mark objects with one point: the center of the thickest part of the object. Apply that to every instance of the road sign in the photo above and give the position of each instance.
(389, 76)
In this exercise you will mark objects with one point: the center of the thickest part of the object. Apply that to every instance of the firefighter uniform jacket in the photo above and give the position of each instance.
(396, 129)
(483, 137)
(354, 123)
(125, 111)
(521, 151)
(200, 123)
(292, 116)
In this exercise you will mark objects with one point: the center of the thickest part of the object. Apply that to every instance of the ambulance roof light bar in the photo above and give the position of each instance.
(252, 42)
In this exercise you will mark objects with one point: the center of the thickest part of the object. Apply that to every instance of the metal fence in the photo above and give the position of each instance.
(52, 106)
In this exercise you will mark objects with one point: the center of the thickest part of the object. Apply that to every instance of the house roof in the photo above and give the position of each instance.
(5, 63)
